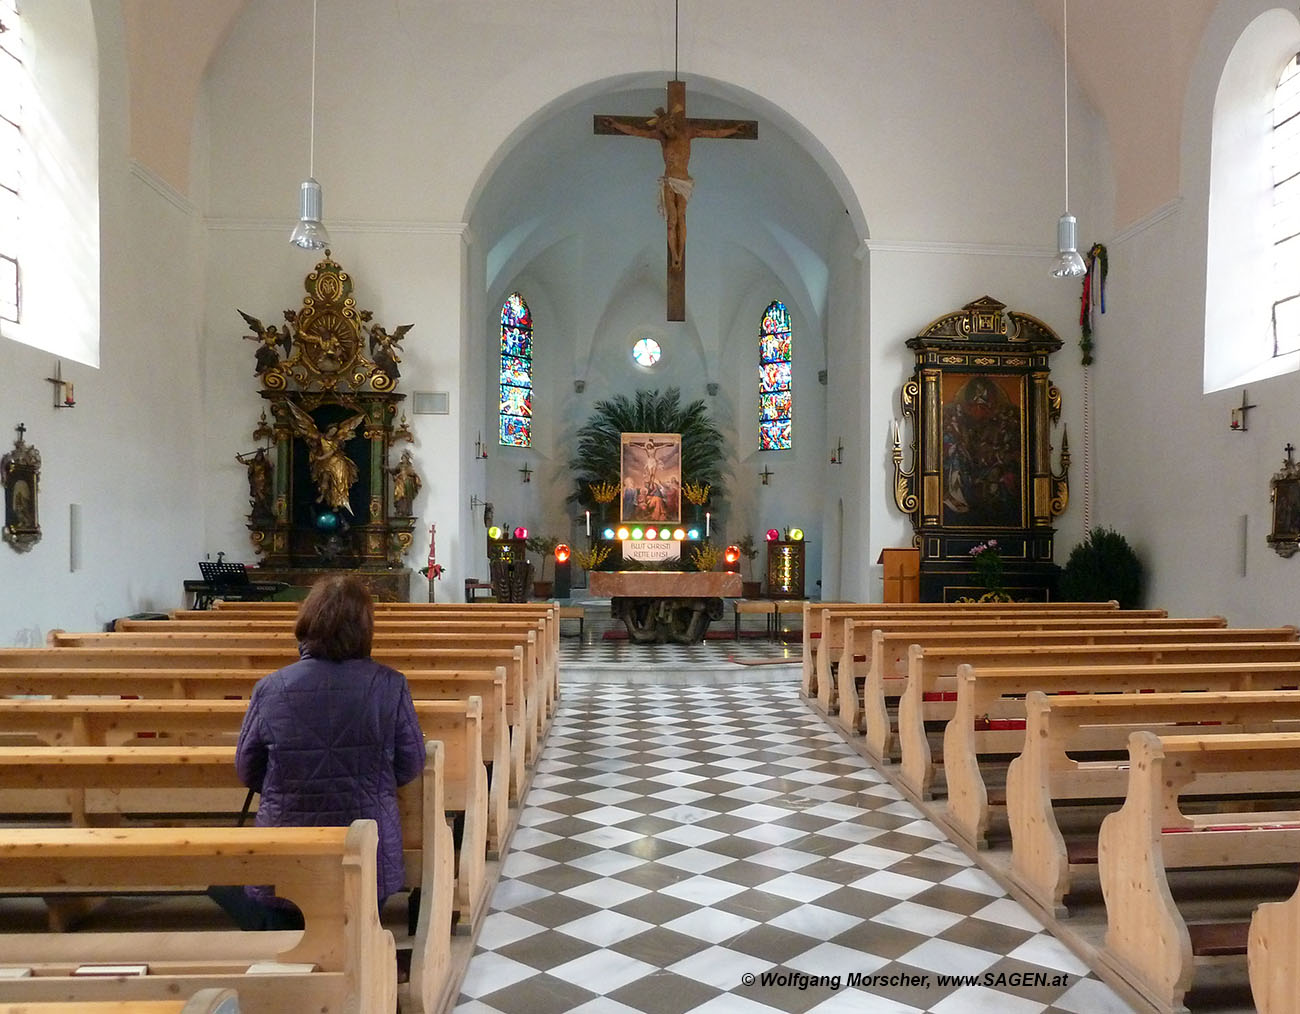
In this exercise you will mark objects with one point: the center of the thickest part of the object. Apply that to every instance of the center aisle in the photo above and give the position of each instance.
(679, 842)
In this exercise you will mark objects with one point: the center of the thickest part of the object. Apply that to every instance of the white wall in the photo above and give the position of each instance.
(128, 452)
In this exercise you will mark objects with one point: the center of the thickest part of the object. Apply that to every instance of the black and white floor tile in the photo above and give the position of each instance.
(717, 849)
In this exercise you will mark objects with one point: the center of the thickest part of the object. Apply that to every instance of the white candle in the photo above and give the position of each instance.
(707, 516)
(588, 513)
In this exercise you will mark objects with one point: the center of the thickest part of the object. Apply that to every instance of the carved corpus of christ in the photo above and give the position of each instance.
(674, 131)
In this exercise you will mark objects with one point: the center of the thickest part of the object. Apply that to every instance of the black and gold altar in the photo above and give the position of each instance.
(982, 407)
(329, 376)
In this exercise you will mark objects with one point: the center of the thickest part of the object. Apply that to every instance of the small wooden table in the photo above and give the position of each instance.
(665, 606)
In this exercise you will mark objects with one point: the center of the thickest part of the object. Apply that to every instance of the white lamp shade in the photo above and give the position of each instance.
(309, 233)
(1068, 262)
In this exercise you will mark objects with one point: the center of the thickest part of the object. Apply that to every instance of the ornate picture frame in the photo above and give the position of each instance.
(20, 474)
(651, 478)
(1284, 493)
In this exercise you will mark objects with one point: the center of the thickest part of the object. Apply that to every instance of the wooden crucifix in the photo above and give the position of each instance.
(674, 131)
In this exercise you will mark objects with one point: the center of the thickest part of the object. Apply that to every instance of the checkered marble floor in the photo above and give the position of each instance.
(717, 849)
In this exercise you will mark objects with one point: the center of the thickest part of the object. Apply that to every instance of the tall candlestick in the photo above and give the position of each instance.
(588, 513)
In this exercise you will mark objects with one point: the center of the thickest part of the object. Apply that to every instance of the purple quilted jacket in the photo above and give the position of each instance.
(326, 743)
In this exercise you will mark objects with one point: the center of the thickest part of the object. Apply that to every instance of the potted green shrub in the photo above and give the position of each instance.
(544, 547)
(1102, 567)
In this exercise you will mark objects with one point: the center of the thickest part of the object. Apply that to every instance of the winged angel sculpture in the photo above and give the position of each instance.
(332, 470)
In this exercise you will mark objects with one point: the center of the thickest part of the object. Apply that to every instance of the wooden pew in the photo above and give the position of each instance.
(329, 872)
(387, 649)
(174, 785)
(1046, 775)
(1148, 941)
(891, 647)
(249, 662)
(205, 1001)
(984, 693)
(457, 724)
(103, 722)
(822, 621)
(1271, 949)
(446, 617)
(408, 611)
(875, 653)
(927, 667)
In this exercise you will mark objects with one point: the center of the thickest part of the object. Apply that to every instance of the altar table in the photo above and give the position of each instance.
(660, 606)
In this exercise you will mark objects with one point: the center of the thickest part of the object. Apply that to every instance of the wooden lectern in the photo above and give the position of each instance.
(902, 574)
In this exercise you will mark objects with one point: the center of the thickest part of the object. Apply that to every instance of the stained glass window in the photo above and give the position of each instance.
(12, 77)
(775, 380)
(516, 373)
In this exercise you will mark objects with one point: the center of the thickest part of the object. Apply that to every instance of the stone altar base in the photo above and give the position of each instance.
(665, 606)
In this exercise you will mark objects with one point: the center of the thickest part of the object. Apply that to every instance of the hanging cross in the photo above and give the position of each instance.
(674, 131)
(766, 474)
(1238, 421)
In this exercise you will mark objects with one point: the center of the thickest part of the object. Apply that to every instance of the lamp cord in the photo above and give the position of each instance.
(1065, 90)
(311, 145)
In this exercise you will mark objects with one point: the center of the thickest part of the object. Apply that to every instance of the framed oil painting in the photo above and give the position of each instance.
(1284, 491)
(20, 473)
(983, 475)
(650, 477)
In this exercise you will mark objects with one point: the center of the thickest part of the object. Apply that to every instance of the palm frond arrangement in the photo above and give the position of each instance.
(599, 441)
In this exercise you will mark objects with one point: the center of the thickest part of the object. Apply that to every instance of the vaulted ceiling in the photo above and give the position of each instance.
(1131, 57)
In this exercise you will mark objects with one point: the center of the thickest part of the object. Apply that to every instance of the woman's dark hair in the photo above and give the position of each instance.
(337, 619)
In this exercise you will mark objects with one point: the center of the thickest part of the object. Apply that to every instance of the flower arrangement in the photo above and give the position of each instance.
(988, 571)
(696, 492)
(706, 556)
(603, 492)
(590, 559)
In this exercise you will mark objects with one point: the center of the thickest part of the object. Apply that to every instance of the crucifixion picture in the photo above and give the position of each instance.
(674, 131)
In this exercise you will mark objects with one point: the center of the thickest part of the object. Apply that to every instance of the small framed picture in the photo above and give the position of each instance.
(20, 473)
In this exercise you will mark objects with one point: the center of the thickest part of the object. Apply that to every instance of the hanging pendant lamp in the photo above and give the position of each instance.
(1068, 263)
(309, 233)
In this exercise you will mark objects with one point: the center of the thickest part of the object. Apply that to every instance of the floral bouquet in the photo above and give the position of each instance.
(988, 570)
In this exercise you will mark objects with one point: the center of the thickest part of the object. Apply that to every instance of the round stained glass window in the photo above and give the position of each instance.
(646, 352)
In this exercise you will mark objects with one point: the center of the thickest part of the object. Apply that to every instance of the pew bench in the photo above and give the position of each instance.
(18, 675)
(329, 872)
(765, 608)
(932, 671)
(390, 649)
(190, 788)
(205, 1001)
(1047, 774)
(881, 741)
(990, 718)
(822, 621)
(1148, 941)
(867, 661)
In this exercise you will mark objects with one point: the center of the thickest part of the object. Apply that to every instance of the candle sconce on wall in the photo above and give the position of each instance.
(837, 456)
(480, 450)
(766, 475)
(1238, 420)
(63, 393)
(526, 473)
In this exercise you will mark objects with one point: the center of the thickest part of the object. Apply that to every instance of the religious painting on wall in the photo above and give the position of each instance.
(650, 477)
(20, 473)
(983, 449)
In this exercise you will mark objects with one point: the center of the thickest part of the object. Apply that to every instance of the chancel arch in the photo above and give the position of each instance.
(576, 220)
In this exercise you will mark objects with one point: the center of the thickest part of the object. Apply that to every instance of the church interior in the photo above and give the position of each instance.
(905, 165)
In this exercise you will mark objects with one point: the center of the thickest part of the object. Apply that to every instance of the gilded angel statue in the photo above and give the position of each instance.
(332, 470)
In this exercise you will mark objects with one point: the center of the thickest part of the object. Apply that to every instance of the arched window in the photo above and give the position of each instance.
(516, 372)
(775, 379)
(1286, 210)
(12, 80)
(1252, 315)
(49, 178)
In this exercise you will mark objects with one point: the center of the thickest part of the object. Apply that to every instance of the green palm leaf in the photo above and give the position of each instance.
(599, 440)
